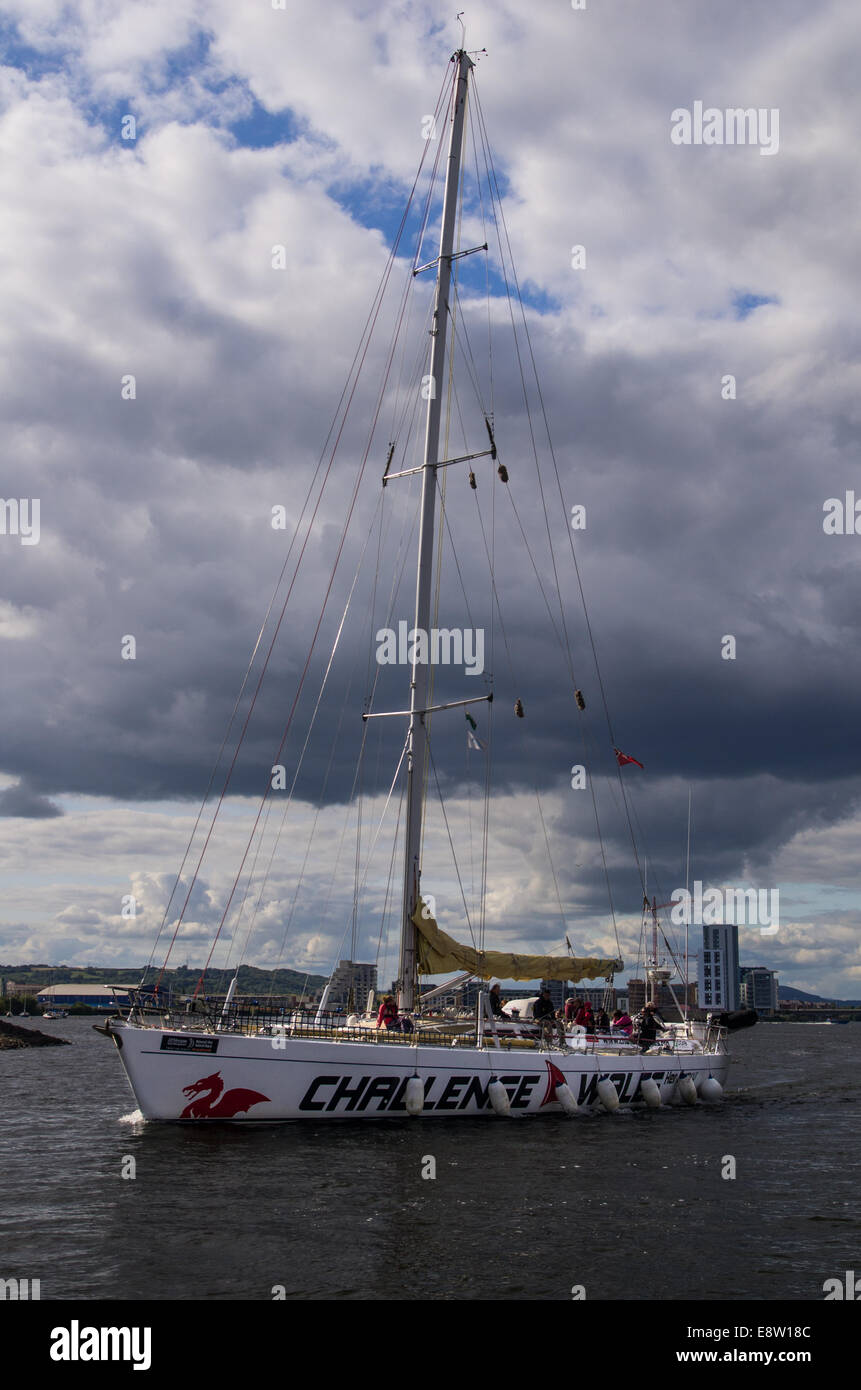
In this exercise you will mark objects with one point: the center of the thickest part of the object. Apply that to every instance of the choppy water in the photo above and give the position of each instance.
(630, 1205)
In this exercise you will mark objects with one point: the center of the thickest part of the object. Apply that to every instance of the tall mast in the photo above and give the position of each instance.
(417, 738)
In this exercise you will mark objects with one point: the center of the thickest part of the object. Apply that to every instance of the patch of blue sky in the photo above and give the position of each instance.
(191, 59)
(191, 63)
(35, 63)
(742, 305)
(261, 129)
(477, 276)
(378, 203)
(112, 119)
(745, 301)
(172, 70)
(810, 898)
(258, 129)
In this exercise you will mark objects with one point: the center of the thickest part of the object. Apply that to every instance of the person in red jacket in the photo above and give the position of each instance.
(387, 1016)
(622, 1023)
(583, 1017)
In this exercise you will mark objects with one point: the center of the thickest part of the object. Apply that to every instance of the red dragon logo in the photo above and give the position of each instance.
(207, 1106)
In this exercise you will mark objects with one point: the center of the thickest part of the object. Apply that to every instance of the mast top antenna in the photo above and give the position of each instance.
(475, 52)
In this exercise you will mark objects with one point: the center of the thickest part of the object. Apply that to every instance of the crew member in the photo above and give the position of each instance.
(651, 1024)
(543, 1006)
(583, 1017)
(495, 999)
(387, 1017)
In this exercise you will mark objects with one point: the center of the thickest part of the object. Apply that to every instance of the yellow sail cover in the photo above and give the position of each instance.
(439, 953)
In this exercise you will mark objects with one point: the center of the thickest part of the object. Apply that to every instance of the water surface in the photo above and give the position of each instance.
(631, 1205)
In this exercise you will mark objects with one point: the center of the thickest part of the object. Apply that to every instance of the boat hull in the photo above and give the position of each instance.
(201, 1077)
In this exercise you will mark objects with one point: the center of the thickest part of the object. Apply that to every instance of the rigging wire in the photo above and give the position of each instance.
(374, 317)
(346, 397)
(309, 731)
(451, 845)
(391, 876)
(379, 827)
(302, 678)
(400, 561)
(593, 646)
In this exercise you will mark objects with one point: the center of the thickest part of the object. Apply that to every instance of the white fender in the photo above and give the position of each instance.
(651, 1093)
(668, 1092)
(687, 1090)
(414, 1096)
(565, 1097)
(711, 1091)
(607, 1094)
(499, 1098)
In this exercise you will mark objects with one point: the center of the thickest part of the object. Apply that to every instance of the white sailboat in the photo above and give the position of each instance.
(249, 1065)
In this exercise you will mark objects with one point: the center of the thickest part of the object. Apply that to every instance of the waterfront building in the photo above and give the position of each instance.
(638, 992)
(759, 989)
(558, 992)
(596, 995)
(353, 975)
(636, 996)
(717, 974)
(94, 996)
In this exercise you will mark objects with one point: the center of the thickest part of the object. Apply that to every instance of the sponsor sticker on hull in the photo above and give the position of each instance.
(179, 1042)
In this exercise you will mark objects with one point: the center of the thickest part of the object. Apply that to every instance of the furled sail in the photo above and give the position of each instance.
(439, 952)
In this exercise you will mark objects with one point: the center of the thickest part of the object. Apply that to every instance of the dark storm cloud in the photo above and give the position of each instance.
(21, 801)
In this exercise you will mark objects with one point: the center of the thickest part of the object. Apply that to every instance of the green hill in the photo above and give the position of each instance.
(183, 980)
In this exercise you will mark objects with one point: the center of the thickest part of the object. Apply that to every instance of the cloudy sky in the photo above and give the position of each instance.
(144, 250)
